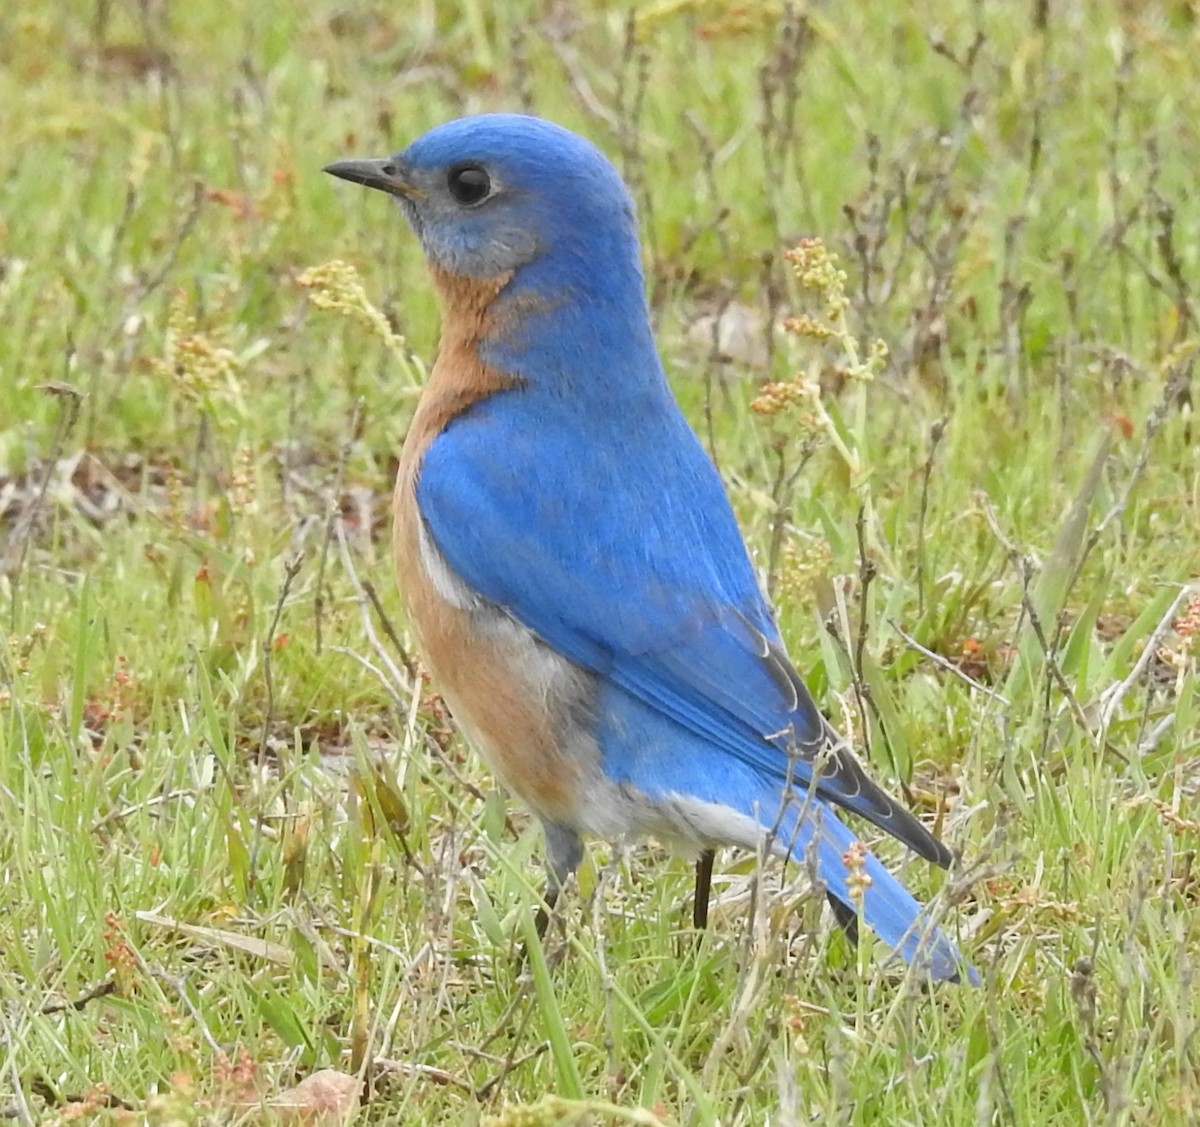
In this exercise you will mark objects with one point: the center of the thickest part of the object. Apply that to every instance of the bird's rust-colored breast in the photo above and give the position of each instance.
(492, 692)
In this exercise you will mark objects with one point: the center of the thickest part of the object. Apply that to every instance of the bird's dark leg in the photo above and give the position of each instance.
(704, 866)
(564, 851)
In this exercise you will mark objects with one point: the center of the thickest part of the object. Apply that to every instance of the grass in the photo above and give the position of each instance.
(240, 842)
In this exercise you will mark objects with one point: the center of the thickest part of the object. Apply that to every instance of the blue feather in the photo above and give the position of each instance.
(620, 550)
(580, 501)
(645, 749)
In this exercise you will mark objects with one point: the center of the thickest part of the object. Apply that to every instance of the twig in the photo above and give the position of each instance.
(782, 492)
(1175, 383)
(1022, 567)
(401, 1009)
(19, 539)
(331, 508)
(428, 1071)
(179, 985)
(158, 800)
(375, 941)
(491, 1087)
(1151, 739)
(380, 675)
(401, 686)
(936, 433)
(100, 990)
(410, 666)
(1111, 698)
(607, 982)
(866, 575)
(948, 665)
(175, 247)
(578, 81)
(19, 1109)
(290, 570)
(392, 679)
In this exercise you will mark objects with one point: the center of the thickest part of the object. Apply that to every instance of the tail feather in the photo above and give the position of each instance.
(695, 790)
(888, 908)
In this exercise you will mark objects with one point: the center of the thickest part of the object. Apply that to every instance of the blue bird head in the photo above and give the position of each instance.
(489, 195)
(526, 203)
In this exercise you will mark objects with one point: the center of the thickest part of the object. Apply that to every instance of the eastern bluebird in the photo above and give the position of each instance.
(572, 567)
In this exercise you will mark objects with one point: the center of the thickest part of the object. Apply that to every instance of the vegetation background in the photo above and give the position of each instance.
(240, 841)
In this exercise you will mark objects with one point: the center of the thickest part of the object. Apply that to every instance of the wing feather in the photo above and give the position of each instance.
(669, 610)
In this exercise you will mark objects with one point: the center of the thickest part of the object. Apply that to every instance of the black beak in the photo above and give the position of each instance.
(382, 173)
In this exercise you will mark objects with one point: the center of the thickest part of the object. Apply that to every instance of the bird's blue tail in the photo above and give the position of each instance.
(857, 879)
(699, 786)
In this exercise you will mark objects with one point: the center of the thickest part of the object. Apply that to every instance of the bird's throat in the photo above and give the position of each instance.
(467, 315)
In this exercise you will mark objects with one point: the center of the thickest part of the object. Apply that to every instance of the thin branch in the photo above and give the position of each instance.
(17, 551)
(1111, 698)
(949, 666)
(936, 432)
(331, 512)
(401, 686)
(126, 811)
(410, 666)
(100, 990)
(1021, 565)
(290, 570)
(179, 985)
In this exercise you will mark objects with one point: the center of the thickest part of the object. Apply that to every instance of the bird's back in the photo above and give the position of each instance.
(572, 564)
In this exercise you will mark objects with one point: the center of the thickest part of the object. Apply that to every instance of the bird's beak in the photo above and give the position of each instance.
(382, 173)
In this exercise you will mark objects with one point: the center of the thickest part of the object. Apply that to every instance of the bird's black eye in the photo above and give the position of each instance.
(468, 183)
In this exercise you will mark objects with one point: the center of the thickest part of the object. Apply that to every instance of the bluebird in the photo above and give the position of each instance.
(573, 570)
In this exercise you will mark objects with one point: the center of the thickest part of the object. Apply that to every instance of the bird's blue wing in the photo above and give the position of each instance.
(623, 554)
